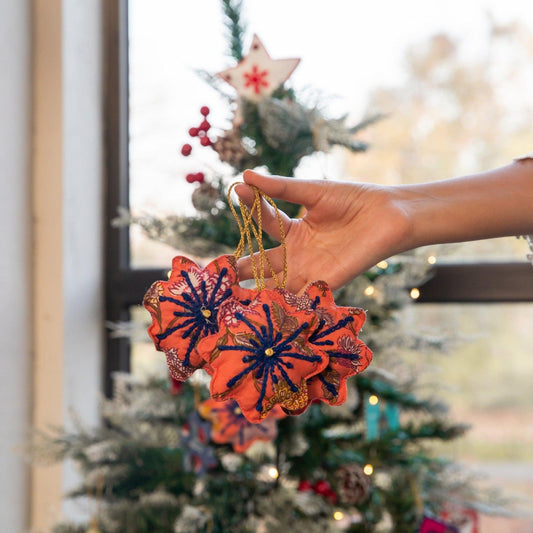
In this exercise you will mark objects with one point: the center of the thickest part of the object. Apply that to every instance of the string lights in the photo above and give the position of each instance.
(370, 290)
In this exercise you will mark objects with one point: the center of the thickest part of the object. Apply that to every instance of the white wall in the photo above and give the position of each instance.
(15, 258)
(51, 241)
(68, 228)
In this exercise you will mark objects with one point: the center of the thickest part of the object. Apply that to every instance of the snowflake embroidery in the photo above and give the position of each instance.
(185, 308)
(347, 355)
(336, 334)
(256, 79)
(265, 351)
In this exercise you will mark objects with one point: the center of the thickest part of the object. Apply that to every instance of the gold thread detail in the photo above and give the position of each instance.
(251, 229)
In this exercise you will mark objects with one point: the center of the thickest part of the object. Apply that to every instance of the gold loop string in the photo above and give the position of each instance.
(251, 229)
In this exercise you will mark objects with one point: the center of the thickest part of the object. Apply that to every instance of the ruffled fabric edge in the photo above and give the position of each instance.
(528, 238)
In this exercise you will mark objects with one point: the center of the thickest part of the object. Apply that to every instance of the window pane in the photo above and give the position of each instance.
(456, 104)
(486, 379)
(145, 360)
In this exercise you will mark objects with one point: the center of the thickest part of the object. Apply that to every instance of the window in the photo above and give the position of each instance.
(463, 280)
(470, 277)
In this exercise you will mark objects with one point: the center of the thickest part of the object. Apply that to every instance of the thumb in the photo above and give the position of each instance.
(296, 191)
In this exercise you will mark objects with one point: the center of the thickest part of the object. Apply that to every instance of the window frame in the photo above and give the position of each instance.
(125, 287)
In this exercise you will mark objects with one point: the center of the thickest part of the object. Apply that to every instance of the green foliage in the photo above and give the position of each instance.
(232, 12)
(134, 468)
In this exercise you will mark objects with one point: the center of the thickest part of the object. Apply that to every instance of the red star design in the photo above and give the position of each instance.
(256, 79)
(257, 75)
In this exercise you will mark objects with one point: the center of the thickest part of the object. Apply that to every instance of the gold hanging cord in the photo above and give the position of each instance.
(249, 227)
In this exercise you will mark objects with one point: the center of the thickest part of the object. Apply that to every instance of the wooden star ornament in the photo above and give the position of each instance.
(257, 75)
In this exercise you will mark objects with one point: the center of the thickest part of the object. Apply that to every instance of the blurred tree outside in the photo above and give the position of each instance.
(457, 114)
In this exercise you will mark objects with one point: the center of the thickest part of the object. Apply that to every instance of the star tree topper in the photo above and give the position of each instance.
(258, 75)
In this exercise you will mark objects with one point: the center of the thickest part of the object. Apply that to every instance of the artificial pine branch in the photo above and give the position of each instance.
(391, 393)
(236, 28)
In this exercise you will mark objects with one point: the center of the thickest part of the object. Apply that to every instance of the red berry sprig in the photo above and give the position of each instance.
(321, 487)
(201, 132)
(195, 176)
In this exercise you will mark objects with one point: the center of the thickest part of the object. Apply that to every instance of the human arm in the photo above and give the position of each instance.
(349, 227)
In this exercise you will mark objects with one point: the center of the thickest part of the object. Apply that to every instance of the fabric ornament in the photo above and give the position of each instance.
(185, 308)
(198, 456)
(431, 525)
(263, 348)
(336, 333)
(264, 357)
(380, 416)
(465, 519)
(230, 426)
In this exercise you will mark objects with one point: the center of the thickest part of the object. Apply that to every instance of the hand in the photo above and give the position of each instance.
(347, 228)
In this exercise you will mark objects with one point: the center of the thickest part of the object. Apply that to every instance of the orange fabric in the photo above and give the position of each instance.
(262, 348)
(185, 308)
(347, 354)
(230, 426)
(263, 359)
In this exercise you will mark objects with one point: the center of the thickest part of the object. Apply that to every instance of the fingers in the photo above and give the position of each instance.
(296, 282)
(275, 257)
(297, 191)
(269, 220)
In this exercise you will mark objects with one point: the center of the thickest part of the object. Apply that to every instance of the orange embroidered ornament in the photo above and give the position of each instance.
(230, 426)
(265, 349)
(185, 309)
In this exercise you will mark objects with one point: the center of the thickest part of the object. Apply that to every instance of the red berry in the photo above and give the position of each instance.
(205, 141)
(305, 486)
(200, 177)
(193, 132)
(204, 125)
(186, 149)
(191, 178)
(204, 110)
(322, 487)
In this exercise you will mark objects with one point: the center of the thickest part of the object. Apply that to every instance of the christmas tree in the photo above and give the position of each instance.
(169, 458)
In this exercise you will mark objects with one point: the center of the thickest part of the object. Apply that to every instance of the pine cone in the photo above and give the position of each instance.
(205, 197)
(353, 484)
(230, 149)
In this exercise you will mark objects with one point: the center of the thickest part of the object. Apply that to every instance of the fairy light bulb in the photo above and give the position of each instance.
(383, 265)
(273, 472)
(368, 469)
(415, 294)
(373, 400)
(431, 259)
(169, 273)
(338, 515)
(370, 290)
